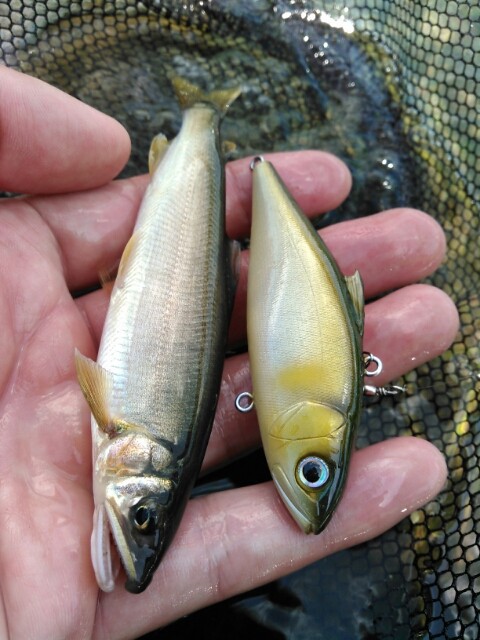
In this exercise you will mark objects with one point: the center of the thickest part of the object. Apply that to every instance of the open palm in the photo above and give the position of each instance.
(51, 245)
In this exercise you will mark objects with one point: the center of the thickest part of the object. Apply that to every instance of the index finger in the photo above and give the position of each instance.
(51, 142)
(92, 228)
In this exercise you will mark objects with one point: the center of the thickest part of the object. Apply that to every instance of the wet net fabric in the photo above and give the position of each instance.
(392, 88)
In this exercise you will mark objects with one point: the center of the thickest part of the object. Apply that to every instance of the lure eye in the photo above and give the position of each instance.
(312, 472)
(145, 519)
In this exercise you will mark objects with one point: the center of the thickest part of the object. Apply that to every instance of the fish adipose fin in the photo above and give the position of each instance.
(96, 387)
(355, 289)
(189, 94)
(228, 149)
(158, 148)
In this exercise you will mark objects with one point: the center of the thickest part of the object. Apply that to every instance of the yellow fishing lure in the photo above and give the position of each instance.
(305, 326)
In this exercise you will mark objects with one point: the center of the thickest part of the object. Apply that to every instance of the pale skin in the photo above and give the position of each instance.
(56, 242)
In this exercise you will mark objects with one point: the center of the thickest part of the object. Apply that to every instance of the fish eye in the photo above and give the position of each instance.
(145, 518)
(312, 472)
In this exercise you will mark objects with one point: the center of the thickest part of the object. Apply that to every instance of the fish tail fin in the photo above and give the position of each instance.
(188, 94)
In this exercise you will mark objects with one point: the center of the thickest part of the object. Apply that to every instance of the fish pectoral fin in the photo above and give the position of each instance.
(188, 94)
(96, 386)
(158, 148)
(355, 289)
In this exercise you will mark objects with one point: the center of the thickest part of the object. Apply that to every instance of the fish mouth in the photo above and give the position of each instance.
(101, 550)
(139, 561)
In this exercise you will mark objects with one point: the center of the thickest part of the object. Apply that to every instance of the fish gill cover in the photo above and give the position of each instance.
(392, 88)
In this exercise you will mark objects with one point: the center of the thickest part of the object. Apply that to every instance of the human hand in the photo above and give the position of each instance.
(51, 245)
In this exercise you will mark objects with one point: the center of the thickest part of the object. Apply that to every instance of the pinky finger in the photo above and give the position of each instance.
(234, 541)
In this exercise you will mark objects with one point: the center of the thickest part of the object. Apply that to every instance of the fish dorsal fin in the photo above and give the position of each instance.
(158, 148)
(234, 259)
(355, 289)
(188, 94)
(96, 386)
(234, 255)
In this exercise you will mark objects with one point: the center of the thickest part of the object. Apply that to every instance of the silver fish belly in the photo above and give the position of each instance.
(154, 387)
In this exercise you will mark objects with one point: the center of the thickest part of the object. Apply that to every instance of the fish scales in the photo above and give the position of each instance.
(154, 387)
(182, 283)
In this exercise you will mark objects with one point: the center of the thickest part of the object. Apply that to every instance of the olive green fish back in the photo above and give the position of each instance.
(391, 86)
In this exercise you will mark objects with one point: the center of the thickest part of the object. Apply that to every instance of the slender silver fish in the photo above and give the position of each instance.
(154, 387)
(305, 326)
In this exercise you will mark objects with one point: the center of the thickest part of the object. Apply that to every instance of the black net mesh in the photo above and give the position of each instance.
(392, 88)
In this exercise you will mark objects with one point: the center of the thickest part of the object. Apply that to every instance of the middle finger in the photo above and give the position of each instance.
(390, 250)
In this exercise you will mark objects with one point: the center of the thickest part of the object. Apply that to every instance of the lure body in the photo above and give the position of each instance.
(154, 387)
(305, 322)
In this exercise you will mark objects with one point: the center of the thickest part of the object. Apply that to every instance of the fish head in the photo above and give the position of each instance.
(307, 459)
(134, 514)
